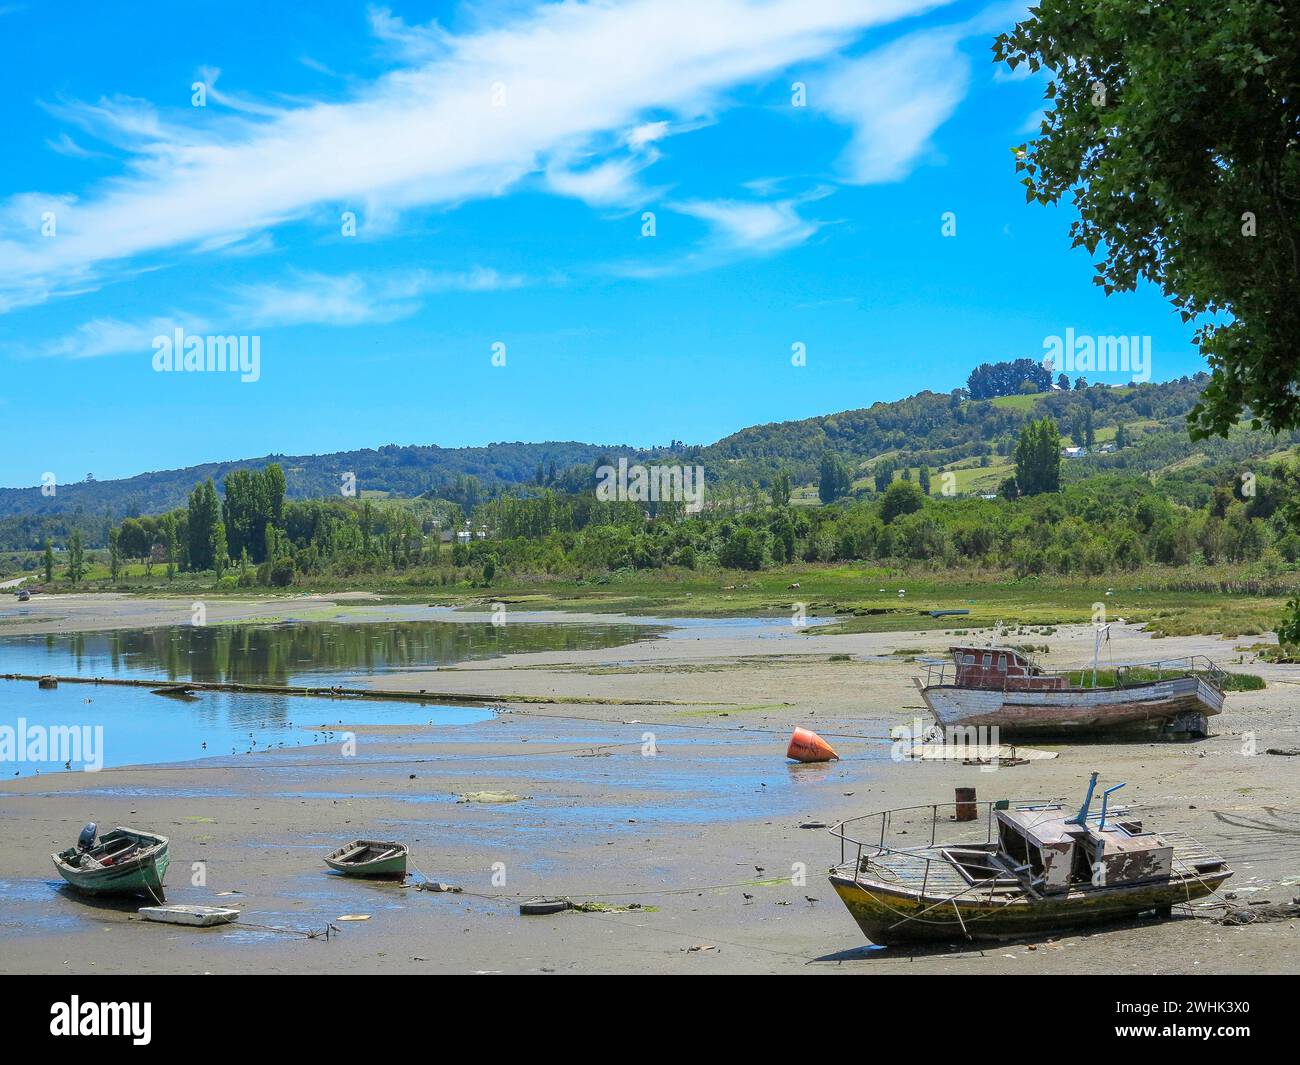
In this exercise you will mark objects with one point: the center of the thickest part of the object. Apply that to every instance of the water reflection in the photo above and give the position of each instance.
(313, 652)
(108, 725)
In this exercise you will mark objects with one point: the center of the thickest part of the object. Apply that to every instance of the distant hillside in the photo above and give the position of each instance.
(393, 470)
(950, 430)
(973, 438)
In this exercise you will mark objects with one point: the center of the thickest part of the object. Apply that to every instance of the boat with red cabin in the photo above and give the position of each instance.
(1006, 687)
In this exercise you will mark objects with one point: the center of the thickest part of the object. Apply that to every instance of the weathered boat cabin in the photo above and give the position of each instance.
(1003, 667)
(1056, 854)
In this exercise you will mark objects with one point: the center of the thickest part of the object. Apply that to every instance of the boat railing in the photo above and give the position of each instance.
(867, 839)
(1187, 665)
(1031, 658)
(869, 834)
(936, 670)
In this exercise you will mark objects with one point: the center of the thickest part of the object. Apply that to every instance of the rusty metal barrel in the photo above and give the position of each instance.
(965, 806)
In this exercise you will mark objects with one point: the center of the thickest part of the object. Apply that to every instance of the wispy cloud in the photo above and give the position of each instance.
(1033, 124)
(65, 145)
(467, 116)
(317, 66)
(608, 184)
(114, 336)
(354, 299)
(752, 226)
(304, 299)
(895, 98)
(647, 133)
(737, 229)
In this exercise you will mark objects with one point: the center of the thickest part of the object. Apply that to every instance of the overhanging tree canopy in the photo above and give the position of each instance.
(1174, 127)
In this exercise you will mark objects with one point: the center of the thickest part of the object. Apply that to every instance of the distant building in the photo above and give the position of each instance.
(1073, 452)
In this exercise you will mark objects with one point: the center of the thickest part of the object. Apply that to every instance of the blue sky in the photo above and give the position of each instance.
(499, 159)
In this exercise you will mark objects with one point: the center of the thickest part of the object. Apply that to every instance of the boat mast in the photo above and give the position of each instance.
(1096, 650)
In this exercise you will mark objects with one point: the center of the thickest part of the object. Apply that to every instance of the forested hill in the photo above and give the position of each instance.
(392, 469)
(949, 430)
(1137, 428)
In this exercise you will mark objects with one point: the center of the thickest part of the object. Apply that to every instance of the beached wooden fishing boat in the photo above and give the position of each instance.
(1012, 868)
(370, 857)
(125, 861)
(1004, 688)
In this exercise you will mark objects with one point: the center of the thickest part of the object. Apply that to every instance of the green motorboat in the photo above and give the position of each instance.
(125, 861)
(370, 857)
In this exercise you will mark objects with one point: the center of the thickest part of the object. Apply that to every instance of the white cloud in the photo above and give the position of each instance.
(756, 227)
(113, 336)
(353, 299)
(65, 145)
(238, 245)
(895, 98)
(427, 133)
(1033, 125)
(1003, 73)
(317, 299)
(317, 66)
(410, 43)
(646, 133)
(306, 299)
(737, 229)
(606, 184)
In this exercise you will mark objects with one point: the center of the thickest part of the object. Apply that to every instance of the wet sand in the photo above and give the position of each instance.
(683, 831)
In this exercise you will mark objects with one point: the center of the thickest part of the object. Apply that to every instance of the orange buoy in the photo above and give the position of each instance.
(807, 746)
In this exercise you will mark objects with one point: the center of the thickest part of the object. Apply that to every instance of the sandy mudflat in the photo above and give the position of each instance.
(683, 832)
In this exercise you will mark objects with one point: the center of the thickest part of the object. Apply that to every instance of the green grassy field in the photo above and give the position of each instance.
(971, 477)
(1191, 600)
(1023, 404)
(866, 599)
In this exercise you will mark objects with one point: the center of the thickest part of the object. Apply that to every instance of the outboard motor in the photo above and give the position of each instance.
(87, 838)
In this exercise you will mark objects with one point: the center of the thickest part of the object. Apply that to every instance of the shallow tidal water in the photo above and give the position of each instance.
(576, 777)
(129, 726)
(295, 652)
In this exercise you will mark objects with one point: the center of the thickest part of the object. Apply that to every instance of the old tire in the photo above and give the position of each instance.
(542, 907)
